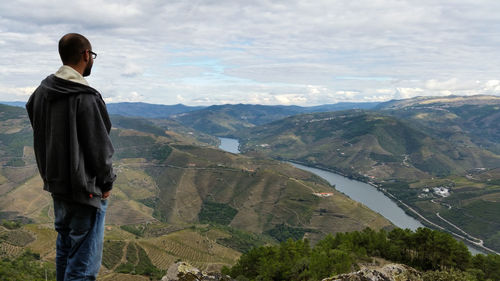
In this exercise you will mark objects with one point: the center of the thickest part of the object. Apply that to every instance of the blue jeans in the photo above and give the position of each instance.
(80, 239)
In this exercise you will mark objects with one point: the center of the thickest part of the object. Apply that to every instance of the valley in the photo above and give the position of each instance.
(382, 202)
(400, 158)
(169, 185)
(178, 197)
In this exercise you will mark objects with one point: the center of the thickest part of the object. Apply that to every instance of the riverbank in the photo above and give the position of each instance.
(474, 246)
(399, 219)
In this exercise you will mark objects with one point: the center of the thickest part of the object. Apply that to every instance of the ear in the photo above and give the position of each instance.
(86, 56)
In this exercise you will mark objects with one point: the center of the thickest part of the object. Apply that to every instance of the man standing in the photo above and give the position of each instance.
(73, 152)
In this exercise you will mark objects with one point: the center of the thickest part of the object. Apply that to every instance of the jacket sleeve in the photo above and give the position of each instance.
(93, 127)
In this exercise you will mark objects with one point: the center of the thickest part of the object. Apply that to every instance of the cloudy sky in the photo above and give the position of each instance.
(260, 51)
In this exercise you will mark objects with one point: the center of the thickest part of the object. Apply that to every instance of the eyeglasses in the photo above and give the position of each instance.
(94, 55)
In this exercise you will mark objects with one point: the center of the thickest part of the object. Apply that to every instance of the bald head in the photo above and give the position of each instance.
(71, 47)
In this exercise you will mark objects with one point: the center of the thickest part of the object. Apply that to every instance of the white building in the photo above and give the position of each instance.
(441, 191)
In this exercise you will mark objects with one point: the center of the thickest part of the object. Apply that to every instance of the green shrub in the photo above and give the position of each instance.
(217, 213)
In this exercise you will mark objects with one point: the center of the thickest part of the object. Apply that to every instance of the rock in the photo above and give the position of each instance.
(389, 272)
(182, 271)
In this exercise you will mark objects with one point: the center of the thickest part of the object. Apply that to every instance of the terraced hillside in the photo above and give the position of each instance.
(160, 207)
(405, 159)
(464, 121)
(364, 144)
(224, 120)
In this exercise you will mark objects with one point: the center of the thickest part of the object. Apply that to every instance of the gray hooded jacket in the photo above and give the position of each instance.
(73, 149)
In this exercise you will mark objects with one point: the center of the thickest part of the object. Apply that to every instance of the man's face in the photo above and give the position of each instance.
(88, 68)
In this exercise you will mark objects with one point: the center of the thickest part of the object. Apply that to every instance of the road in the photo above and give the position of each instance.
(466, 237)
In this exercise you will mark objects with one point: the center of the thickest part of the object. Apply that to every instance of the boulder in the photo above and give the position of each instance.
(389, 272)
(182, 271)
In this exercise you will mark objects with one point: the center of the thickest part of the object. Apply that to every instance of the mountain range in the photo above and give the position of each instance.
(405, 147)
(174, 189)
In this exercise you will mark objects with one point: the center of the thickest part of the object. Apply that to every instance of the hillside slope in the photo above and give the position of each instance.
(464, 121)
(147, 110)
(365, 144)
(224, 120)
(168, 184)
(405, 159)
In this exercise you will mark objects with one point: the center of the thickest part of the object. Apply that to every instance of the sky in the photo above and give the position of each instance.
(258, 52)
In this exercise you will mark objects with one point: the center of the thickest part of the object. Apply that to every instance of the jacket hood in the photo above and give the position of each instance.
(60, 88)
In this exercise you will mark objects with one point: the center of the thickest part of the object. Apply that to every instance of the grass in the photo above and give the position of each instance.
(131, 254)
(282, 232)
(45, 243)
(474, 203)
(28, 199)
(115, 232)
(17, 237)
(9, 250)
(137, 230)
(138, 262)
(188, 245)
(112, 253)
(218, 213)
(236, 239)
(479, 218)
(135, 183)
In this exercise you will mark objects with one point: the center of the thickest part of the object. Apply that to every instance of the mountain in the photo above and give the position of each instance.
(174, 198)
(139, 109)
(342, 106)
(464, 121)
(366, 144)
(14, 103)
(164, 127)
(406, 157)
(223, 120)
(16, 153)
(446, 101)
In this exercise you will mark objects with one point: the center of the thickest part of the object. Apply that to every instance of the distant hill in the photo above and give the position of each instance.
(164, 127)
(14, 103)
(407, 152)
(148, 110)
(342, 106)
(464, 121)
(364, 143)
(446, 101)
(15, 135)
(223, 120)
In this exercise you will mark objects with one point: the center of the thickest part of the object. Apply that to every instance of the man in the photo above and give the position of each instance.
(73, 152)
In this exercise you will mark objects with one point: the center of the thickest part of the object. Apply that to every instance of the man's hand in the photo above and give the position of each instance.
(106, 194)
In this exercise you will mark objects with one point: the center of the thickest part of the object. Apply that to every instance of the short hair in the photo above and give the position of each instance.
(71, 47)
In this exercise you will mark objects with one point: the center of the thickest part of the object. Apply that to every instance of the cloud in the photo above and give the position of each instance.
(404, 93)
(262, 51)
(132, 70)
(492, 86)
(290, 99)
(128, 97)
(20, 93)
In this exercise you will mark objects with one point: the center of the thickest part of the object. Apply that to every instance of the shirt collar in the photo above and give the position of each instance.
(68, 73)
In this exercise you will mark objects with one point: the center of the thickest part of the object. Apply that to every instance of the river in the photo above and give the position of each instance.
(368, 195)
(356, 190)
(229, 145)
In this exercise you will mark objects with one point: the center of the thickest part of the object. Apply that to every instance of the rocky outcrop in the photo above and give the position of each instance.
(389, 272)
(182, 271)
